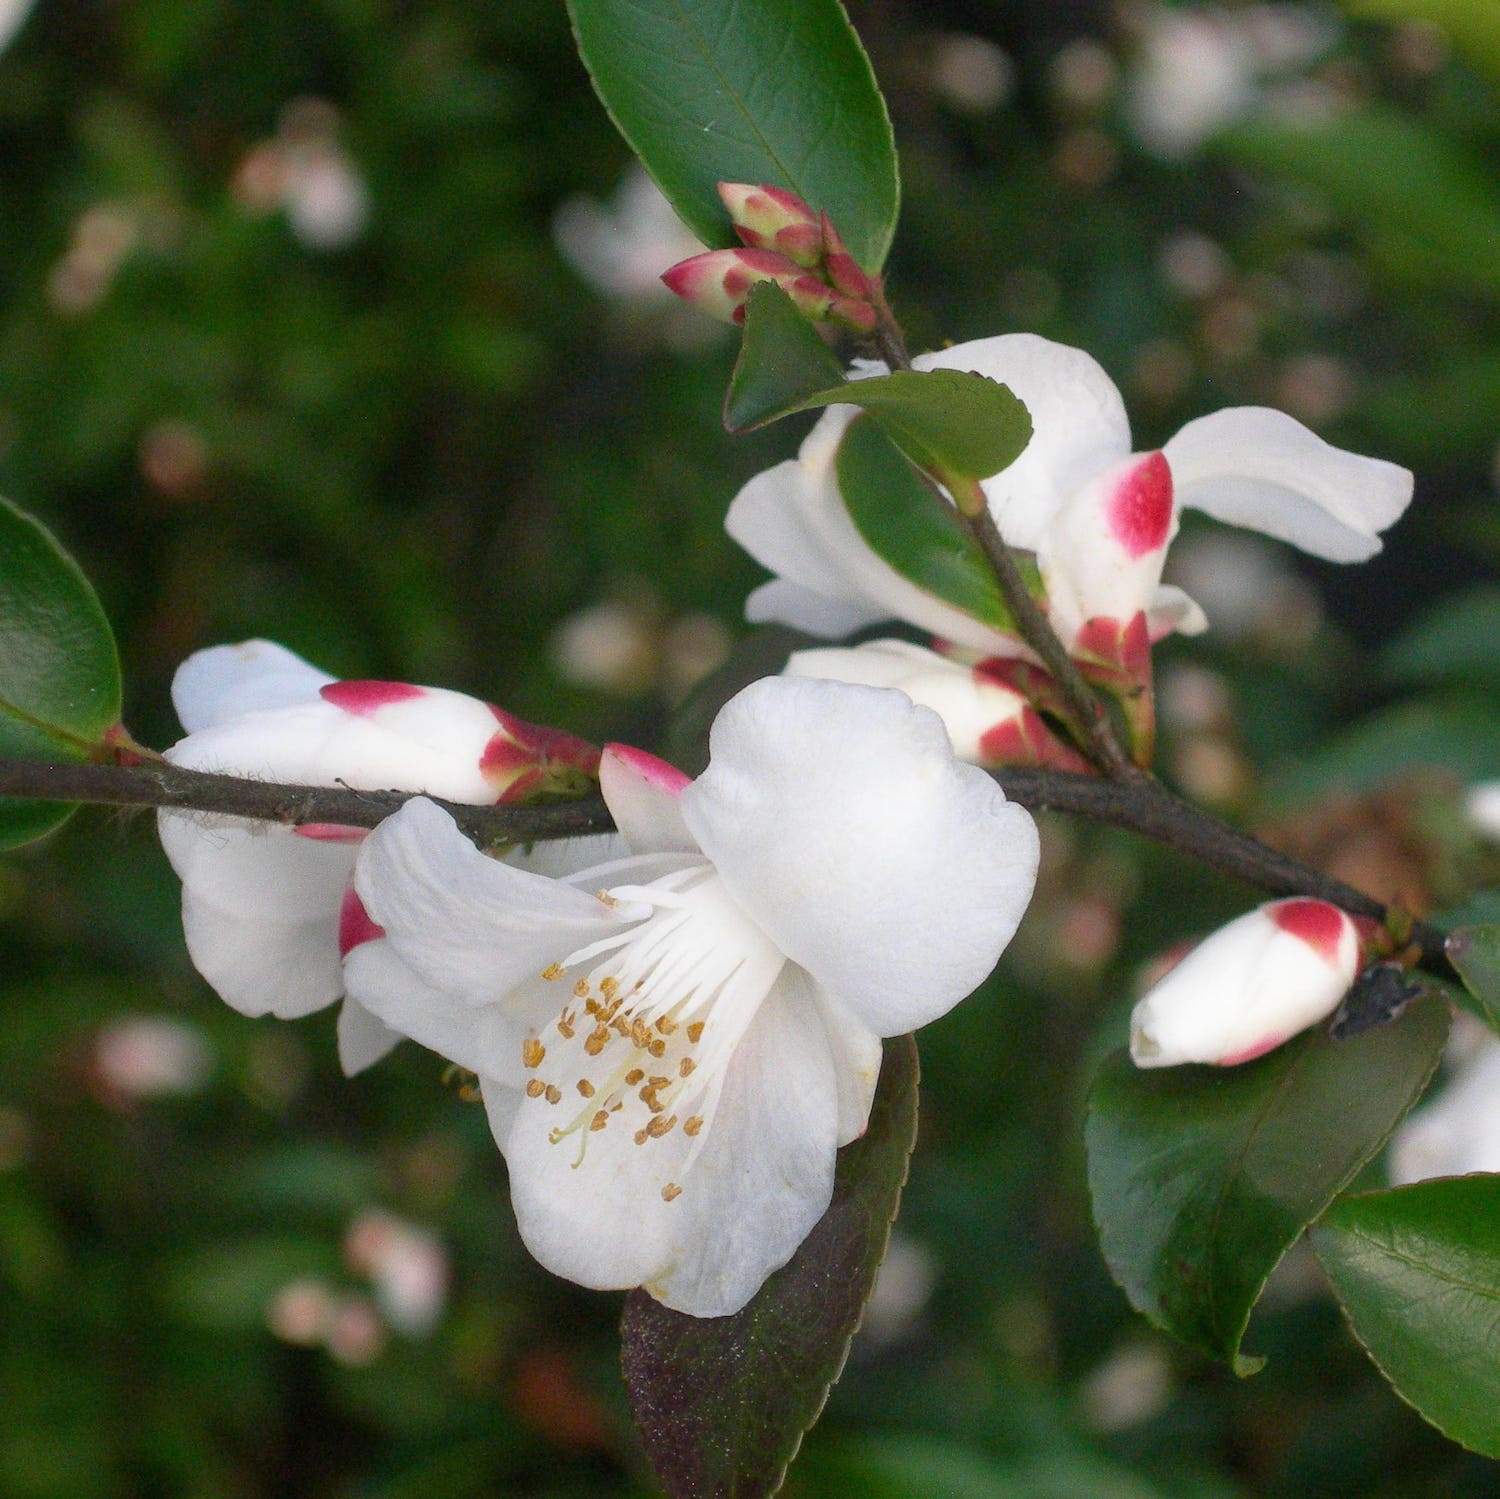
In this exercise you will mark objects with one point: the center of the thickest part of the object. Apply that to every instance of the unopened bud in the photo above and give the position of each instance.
(842, 268)
(771, 218)
(1249, 987)
(525, 760)
(719, 282)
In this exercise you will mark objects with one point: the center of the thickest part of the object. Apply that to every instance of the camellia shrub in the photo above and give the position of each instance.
(688, 994)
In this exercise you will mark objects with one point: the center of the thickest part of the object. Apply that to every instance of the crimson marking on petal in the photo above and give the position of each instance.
(355, 925)
(539, 742)
(664, 776)
(364, 698)
(332, 832)
(1250, 1053)
(1315, 922)
(1140, 510)
(524, 785)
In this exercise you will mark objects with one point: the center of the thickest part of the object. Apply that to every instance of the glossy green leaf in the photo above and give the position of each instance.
(1203, 1177)
(942, 419)
(913, 530)
(1417, 1271)
(722, 1403)
(59, 671)
(782, 361)
(1475, 952)
(779, 92)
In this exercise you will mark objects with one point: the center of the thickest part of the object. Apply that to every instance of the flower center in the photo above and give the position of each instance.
(654, 1015)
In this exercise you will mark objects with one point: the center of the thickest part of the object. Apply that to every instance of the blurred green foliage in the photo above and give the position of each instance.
(415, 447)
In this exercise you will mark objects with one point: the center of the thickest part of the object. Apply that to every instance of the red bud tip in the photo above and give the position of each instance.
(718, 281)
(771, 217)
(843, 269)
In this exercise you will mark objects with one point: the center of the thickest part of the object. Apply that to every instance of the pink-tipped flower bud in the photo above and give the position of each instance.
(771, 218)
(718, 282)
(841, 267)
(1249, 987)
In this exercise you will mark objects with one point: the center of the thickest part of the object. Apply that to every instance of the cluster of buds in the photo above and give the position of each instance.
(788, 244)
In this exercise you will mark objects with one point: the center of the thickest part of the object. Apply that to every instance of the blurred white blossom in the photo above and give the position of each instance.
(970, 73)
(407, 1267)
(1459, 1131)
(13, 15)
(146, 1056)
(1483, 806)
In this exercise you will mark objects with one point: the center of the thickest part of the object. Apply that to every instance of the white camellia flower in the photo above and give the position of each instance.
(988, 721)
(1459, 1131)
(1250, 986)
(13, 15)
(1098, 517)
(673, 1045)
(264, 907)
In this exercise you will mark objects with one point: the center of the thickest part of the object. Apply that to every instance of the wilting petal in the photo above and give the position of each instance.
(259, 909)
(752, 1184)
(228, 681)
(1078, 420)
(841, 821)
(364, 1038)
(642, 795)
(1250, 986)
(1254, 467)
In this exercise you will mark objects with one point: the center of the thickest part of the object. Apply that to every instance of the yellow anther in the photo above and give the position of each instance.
(535, 1088)
(581, 988)
(659, 1126)
(554, 1093)
(585, 1087)
(695, 1032)
(592, 1007)
(553, 971)
(596, 1042)
(657, 1048)
(599, 1120)
(606, 897)
(685, 1067)
(633, 1077)
(665, 1024)
(532, 1052)
(640, 1137)
(639, 1034)
(670, 1192)
(609, 987)
(692, 1125)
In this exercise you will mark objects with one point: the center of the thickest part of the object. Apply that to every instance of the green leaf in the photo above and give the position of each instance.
(913, 531)
(1458, 638)
(722, 1403)
(1203, 1177)
(779, 92)
(1417, 1271)
(942, 419)
(1475, 952)
(59, 671)
(1426, 204)
(782, 361)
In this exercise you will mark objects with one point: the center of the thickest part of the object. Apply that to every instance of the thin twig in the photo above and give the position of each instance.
(1139, 804)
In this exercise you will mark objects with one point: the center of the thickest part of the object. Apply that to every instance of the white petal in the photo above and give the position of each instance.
(364, 1038)
(781, 603)
(1079, 426)
(471, 926)
(1172, 612)
(857, 1055)
(754, 1185)
(1459, 1130)
(839, 818)
(225, 681)
(561, 858)
(484, 1038)
(1251, 466)
(319, 744)
(1482, 806)
(642, 795)
(260, 911)
(972, 706)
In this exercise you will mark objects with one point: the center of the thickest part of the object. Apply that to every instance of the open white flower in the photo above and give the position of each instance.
(263, 906)
(1098, 517)
(673, 1045)
(1252, 985)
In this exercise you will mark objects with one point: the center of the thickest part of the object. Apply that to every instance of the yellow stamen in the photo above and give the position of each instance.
(692, 1125)
(553, 971)
(535, 1088)
(695, 1032)
(532, 1052)
(554, 1093)
(585, 1087)
(670, 1192)
(685, 1067)
(599, 1120)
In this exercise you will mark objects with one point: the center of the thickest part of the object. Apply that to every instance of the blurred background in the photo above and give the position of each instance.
(336, 321)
